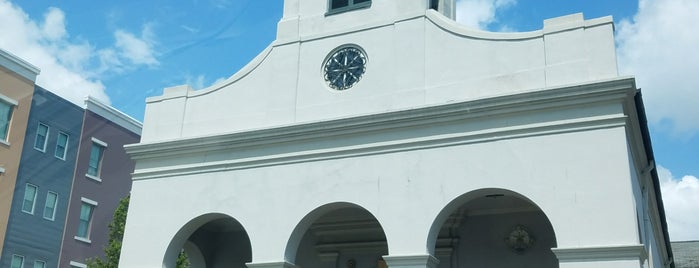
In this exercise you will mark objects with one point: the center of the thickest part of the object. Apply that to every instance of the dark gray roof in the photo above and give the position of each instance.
(686, 254)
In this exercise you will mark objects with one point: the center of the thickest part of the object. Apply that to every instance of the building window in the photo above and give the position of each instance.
(96, 153)
(85, 224)
(42, 133)
(434, 4)
(29, 198)
(5, 118)
(17, 261)
(39, 264)
(339, 6)
(61, 145)
(50, 207)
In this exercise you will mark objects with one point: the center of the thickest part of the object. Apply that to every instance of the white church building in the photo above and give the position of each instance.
(381, 133)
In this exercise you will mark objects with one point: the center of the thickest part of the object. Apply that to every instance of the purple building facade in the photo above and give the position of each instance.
(102, 177)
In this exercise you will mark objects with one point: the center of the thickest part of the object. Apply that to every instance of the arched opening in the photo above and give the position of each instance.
(211, 241)
(338, 235)
(493, 228)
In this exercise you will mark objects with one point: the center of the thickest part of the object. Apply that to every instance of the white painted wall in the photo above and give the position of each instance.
(541, 114)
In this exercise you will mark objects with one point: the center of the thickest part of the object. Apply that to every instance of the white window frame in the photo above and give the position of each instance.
(21, 264)
(103, 145)
(55, 205)
(93, 204)
(46, 138)
(350, 6)
(65, 146)
(11, 104)
(39, 261)
(36, 193)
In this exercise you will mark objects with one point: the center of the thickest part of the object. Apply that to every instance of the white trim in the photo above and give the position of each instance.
(36, 193)
(601, 253)
(5, 142)
(55, 206)
(88, 201)
(113, 115)
(97, 179)
(21, 256)
(411, 260)
(8, 100)
(83, 239)
(283, 264)
(35, 261)
(77, 264)
(99, 142)
(65, 148)
(2, 170)
(18, 65)
(198, 150)
(46, 138)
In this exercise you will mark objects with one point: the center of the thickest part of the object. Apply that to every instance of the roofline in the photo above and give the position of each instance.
(645, 134)
(112, 114)
(18, 65)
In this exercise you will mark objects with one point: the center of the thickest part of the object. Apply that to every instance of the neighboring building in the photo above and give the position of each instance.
(43, 186)
(63, 170)
(383, 133)
(17, 79)
(102, 177)
(686, 254)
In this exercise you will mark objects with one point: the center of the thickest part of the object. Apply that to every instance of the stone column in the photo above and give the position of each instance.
(630, 256)
(281, 264)
(411, 261)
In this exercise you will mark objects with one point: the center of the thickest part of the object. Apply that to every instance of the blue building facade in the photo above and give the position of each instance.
(38, 210)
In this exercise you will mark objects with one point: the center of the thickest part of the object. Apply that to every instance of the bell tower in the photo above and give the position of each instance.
(446, 7)
(303, 18)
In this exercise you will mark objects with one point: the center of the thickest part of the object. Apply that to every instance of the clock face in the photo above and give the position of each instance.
(344, 67)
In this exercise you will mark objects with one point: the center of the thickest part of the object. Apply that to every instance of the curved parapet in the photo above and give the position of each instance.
(412, 60)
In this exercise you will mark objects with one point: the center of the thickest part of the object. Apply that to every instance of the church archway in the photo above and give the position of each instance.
(492, 228)
(211, 241)
(337, 235)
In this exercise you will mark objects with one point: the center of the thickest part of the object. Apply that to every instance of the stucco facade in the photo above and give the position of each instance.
(17, 79)
(456, 148)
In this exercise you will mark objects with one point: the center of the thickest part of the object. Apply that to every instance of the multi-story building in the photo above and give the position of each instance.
(17, 79)
(63, 170)
(102, 177)
(43, 187)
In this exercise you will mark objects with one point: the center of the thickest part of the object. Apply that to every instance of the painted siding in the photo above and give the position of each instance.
(115, 176)
(17, 88)
(31, 235)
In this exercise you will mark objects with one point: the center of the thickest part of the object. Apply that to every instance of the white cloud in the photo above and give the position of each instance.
(54, 24)
(71, 68)
(681, 200)
(136, 50)
(659, 46)
(480, 13)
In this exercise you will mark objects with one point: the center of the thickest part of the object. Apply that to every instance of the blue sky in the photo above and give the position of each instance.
(125, 51)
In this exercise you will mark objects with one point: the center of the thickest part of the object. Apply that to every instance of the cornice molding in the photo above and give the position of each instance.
(602, 253)
(547, 99)
(18, 65)
(281, 264)
(411, 261)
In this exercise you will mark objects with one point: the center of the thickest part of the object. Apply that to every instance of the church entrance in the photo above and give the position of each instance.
(211, 241)
(343, 237)
(495, 228)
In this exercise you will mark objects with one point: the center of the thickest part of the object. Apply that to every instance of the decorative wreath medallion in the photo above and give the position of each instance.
(519, 239)
(344, 67)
